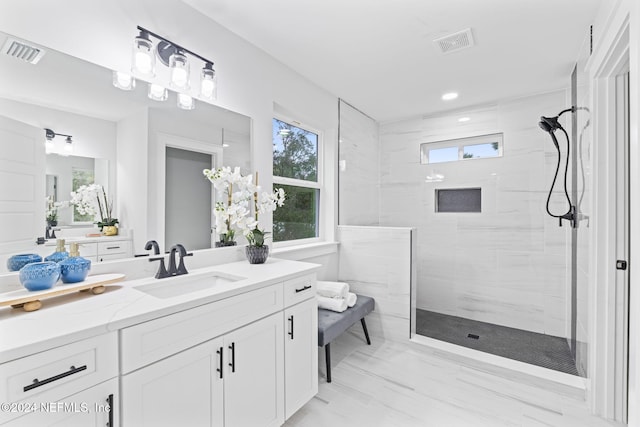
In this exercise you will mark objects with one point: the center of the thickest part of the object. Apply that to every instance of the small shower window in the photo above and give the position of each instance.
(476, 147)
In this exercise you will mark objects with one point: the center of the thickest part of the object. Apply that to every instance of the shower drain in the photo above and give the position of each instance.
(473, 336)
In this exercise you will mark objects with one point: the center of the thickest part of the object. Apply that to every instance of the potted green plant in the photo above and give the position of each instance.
(257, 251)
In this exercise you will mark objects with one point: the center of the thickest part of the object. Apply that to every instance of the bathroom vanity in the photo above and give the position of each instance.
(230, 345)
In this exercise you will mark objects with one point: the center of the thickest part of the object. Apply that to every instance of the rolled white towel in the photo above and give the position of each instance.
(351, 299)
(333, 304)
(332, 289)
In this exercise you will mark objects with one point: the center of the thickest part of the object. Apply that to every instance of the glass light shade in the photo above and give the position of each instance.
(208, 83)
(179, 70)
(123, 81)
(157, 92)
(68, 145)
(143, 60)
(186, 102)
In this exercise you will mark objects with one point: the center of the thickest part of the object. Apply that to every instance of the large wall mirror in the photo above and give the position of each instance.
(77, 98)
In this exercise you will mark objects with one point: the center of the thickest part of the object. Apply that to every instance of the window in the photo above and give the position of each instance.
(80, 177)
(477, 147)
(296, 170)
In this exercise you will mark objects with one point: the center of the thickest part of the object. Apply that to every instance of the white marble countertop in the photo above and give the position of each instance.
(76, 316)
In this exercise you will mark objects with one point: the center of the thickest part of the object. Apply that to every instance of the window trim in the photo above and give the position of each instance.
(316, 185)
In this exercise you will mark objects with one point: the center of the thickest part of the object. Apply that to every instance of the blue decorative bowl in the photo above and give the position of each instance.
(74, 269)
(57, 256)
(40, 275)
(16, 262)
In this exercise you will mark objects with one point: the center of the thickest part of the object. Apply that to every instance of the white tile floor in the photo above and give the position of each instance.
(406, 384)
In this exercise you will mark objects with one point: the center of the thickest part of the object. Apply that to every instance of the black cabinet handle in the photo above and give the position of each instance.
(304, 288)
(232, 347)
(220, 352)
(110, 403)
(36, 383)
(113, 247)
(291, 326)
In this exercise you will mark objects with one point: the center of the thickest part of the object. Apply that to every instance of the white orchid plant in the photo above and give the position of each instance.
(235, 194)
(52, 208)
(92, 200)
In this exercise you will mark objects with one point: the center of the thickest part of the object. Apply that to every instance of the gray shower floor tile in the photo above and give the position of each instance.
(530, 347)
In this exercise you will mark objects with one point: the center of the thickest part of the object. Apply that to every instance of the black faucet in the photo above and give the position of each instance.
(181, 269)
(152, 244)
(162, 271)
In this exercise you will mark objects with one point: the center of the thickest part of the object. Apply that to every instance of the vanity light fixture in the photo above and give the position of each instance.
(143, 60)
(185, 102)
(123, 81)
(157, 92)
(177, 59)
(49, 137)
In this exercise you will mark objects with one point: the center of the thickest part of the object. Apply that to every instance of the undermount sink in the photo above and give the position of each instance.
(185, 284)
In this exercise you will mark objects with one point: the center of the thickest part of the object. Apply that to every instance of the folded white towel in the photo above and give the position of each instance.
(351, 299)
(333, 304)
(332, 289)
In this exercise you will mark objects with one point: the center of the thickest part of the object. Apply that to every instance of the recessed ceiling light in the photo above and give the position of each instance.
(464, 119)
(449, 96)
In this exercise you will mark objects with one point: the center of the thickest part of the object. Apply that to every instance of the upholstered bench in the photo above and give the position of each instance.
(331, 324)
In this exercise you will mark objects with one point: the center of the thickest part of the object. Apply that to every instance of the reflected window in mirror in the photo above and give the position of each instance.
(80, 177)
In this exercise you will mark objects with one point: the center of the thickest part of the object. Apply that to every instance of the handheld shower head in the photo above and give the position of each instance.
(549, 124)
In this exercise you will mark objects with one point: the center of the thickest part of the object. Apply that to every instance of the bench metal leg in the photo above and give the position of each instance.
(366, 333)
(327, 354)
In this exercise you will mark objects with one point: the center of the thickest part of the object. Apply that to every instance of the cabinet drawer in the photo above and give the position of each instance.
(117, 247)
(153, 340)
(88, 249)
(299, 289)
(54, 374)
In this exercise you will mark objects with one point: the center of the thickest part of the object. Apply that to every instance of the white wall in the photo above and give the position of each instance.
(508, 264)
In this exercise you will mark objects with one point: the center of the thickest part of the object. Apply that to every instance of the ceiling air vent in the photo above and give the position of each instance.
(456, 41)
(23, 51)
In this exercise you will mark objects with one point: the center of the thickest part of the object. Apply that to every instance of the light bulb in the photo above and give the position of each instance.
(208, 82)
(143, 60)
(123, 81)
(179, 70)
(157, 92)
(186, 102)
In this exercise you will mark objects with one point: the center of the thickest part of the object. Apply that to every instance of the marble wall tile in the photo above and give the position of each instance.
(377, 262)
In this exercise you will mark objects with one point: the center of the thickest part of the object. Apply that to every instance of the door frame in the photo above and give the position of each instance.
(168, 140)
(608, 61)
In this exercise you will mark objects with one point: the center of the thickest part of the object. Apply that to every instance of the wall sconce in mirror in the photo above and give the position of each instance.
(50, 136)
(178, 61)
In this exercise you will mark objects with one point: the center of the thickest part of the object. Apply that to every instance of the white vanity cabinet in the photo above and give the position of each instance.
(233, 380)
(301, 342)
(184, 389)
(94, 407)
(68, 385)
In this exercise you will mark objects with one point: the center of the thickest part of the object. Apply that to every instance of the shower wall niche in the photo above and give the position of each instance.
(508, 263)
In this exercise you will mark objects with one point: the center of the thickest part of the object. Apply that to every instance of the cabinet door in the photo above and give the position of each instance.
(181, 390)
(254, 378)
(301, 355)
(95, 406)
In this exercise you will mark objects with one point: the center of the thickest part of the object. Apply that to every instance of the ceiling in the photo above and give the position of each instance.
(379, 55)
